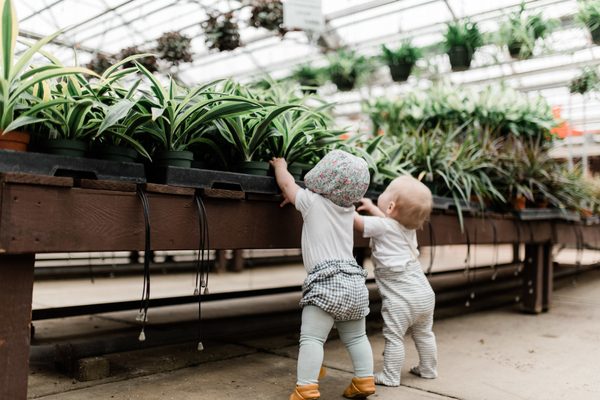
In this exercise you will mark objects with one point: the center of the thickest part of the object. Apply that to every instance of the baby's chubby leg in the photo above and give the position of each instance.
(354, 336)
(424, 338)
(316, 325)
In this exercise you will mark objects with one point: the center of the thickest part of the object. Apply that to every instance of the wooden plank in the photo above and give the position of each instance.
(19, 177)
(224, 194)
(576, 235)
(43, 219)
(446, 230)
(107, 185)
(16, 288)
(165, 189)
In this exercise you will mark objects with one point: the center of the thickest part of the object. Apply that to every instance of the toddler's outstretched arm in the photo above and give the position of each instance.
(285, 180)
(370, 208)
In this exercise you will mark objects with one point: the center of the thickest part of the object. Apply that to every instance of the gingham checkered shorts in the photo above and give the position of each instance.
(338, 288)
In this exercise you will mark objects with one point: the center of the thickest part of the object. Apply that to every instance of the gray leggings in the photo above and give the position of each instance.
(316, 325)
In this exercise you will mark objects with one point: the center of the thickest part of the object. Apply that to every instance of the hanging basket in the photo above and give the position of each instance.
(596, 36)
(460, 58)
(400, 72)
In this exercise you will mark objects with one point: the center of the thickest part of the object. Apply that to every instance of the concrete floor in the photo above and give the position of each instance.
(497, 354)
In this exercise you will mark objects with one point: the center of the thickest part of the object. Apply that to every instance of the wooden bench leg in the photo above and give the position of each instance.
(548, 277)
(537, 278)
(237, 262)
(16, 288)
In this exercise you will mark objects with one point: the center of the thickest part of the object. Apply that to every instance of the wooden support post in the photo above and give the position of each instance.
(516, 253)
(16, 288)
(237, 262)
(220, 260)
(548, 277)
(537, 278)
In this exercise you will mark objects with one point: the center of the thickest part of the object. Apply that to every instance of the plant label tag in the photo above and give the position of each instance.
(304, 14)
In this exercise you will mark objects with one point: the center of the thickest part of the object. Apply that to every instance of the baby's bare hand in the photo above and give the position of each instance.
(365, 205)
(278, 162)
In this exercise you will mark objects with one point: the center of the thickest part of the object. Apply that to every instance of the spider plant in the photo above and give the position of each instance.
(77, 111)
(19, 78)
(248, 134)
(181, 117)
(373, 151)
(527, 171)
(451, 168)
(299, 132)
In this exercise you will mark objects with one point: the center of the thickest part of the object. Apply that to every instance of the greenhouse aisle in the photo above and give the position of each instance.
(497, 354)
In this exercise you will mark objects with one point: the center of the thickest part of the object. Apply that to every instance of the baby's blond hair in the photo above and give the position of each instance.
(413, 201)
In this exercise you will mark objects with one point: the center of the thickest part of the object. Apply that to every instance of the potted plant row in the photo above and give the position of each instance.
(20, 80)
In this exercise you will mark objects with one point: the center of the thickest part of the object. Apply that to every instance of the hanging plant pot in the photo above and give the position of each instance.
(66, 147)
(261, 168)
(343, 82)
(515, 49)
(460, 58)
(596, 35)
(14, 140)
(115, 153)
(400, 72)
(174, 159)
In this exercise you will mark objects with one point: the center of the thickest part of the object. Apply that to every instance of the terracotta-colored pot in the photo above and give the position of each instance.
(519, 202)
(14, 140)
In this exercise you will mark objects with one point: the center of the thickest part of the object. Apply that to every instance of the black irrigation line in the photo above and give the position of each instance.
(145, 301)
(86, 309)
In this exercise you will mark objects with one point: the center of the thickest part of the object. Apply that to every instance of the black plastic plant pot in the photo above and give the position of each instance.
(260, 168)
(305, 168)
(115, 153)
(596, 35)
(198, 164)
(400, 72)
(296, 171)
(515, 49)
(460, 58)
(66, 147)
(343, 83)
(173, 159)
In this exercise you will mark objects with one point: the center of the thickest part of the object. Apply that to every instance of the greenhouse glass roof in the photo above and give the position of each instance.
(107, 26)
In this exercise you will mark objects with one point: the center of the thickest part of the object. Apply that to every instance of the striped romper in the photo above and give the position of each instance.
(407, 298)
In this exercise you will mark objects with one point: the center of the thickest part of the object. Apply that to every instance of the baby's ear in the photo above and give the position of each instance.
(391, 207)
